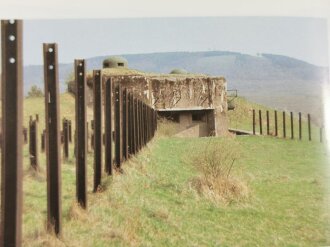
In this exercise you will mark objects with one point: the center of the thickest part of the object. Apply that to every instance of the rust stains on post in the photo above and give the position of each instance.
(97, 127)
(52, 145)
(81, 128)
(12, 139)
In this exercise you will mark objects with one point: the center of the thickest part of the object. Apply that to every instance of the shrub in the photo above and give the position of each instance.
(215, 162)
(35, 91)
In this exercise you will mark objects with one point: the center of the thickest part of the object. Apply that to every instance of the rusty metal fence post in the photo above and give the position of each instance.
(292, 127)
(34, 161)
(70, 130)
(118, 126)
(134, 136)
(137, 124)
(12, 139)
(52, 122)
(254, 121)
(300, 130)
(284, 126)
(130, 124)
(309, 127)
(108, 126)
(125, 123)
(267, 119)
(81, 128)
(43, 142)
(25, 134)
(97, 127)
(260, 122)
(65, 128)
(275, 118)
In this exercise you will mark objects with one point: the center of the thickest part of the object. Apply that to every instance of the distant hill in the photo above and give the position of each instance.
(274, 80)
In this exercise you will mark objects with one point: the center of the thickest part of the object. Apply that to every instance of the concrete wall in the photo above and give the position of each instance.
(180, 91)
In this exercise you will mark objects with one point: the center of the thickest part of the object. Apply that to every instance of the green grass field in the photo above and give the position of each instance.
(154, 204)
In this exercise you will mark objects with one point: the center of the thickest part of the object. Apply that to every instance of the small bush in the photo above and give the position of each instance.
(215, 162)
(35, 91)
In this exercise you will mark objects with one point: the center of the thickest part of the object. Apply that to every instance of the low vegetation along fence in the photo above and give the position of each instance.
(134, 125)
(280, 125)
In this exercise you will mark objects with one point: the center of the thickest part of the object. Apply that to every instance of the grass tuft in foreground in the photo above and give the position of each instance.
(215, 160)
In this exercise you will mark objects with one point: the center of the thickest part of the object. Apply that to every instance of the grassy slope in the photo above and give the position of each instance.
(152, 204)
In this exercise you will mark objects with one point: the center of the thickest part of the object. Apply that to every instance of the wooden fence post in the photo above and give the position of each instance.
(108, 126)
(52, 122)
(12, 139)
(81, 128)
(97, 126)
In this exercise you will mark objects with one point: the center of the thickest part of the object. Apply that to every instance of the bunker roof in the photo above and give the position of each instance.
(179, 71)
(115, 62)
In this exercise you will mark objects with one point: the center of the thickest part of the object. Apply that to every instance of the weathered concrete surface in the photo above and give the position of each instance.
(175, 91)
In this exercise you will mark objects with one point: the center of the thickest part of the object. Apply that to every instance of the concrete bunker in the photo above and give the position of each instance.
(115, 62)
(197, 102)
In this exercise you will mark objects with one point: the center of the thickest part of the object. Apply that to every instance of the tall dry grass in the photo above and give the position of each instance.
(166, 128)
(215, 162)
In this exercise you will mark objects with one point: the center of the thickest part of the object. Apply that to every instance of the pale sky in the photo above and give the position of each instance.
(298, 37)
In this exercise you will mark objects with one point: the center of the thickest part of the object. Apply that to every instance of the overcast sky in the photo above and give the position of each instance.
(298, 37)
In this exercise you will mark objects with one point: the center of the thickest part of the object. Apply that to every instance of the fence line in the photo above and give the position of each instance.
(292, 125)
(135, 125)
